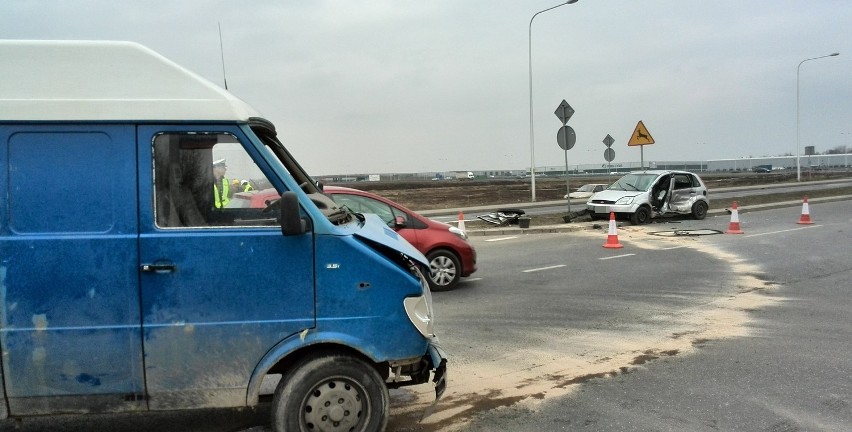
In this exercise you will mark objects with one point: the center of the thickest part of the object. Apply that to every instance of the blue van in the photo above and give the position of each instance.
(128, 281)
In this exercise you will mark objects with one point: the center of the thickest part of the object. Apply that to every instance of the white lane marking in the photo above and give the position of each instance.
(674, 247)
(617, 256)
(782, 231)
(501, 239)
(471, 279)
(544, 268)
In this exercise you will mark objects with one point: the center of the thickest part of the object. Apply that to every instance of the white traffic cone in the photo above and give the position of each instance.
(805, 219)
(734, 226)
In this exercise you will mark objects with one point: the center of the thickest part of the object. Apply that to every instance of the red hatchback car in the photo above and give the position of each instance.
(451, 256)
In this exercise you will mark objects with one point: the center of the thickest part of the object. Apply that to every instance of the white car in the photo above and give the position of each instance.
(587, 190)
(643, 195)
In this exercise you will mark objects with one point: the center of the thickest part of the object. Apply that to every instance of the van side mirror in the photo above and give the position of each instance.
(291, 218)
(320, 186)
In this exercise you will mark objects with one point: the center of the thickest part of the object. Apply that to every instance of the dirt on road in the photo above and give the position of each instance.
(483, 386)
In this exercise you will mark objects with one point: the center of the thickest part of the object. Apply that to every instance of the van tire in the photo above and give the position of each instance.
(641, 216)
(444, 270)
(699, 210)
(331, 392)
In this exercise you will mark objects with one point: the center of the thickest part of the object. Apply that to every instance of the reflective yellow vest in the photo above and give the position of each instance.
(220, 198)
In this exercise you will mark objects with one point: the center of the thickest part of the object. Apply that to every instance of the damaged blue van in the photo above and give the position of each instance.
(130, 282)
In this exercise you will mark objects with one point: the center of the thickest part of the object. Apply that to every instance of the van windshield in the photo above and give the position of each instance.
(266, 132)
(634, 182)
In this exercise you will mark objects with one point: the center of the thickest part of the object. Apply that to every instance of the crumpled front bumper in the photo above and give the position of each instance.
(435, 359)
(433, 362)
(438, 358)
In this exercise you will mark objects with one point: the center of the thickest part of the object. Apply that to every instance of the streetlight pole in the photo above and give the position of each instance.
(532, 135)
(798, 69)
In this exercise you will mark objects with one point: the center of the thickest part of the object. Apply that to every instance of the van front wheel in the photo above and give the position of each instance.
(331, 393)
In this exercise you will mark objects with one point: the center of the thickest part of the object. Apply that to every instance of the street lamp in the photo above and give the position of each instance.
(798, 69)
(532, 135)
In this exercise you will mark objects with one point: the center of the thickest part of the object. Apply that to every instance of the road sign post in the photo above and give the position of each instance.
(566, 138)
(609, 155)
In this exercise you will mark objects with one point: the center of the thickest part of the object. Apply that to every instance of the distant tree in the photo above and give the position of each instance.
(842, 149)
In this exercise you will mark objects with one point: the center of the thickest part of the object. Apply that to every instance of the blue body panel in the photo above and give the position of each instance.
(363, 296)
(359, 303)
(236, 292)
(68, 242)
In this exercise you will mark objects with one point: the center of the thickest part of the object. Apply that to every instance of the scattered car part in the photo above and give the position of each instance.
(503, 217)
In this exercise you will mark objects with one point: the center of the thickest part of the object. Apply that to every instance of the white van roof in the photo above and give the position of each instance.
(105, 80)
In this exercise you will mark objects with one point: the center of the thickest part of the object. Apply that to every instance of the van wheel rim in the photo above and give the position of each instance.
(442, 271)
(336, 405)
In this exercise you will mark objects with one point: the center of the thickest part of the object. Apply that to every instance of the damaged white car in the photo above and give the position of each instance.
(643, 195)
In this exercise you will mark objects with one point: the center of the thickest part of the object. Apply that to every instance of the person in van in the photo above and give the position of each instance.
(221, 186)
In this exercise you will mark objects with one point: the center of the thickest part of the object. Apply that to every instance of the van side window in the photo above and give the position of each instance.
(205, 180)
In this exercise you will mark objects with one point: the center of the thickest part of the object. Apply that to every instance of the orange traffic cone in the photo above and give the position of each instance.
(612, 237)
(461, 221)
(806, 213)
(734, 226)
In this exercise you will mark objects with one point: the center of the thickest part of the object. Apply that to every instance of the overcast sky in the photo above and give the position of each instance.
(437, 85)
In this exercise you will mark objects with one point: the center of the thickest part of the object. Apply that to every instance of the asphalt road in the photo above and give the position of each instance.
(790, 371)
(555, 332)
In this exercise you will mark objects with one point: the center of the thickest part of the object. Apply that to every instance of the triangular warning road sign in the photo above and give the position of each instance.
(640, 136)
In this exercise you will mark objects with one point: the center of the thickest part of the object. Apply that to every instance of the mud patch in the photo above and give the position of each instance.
(642, 359)
(700, 342)
(650, 355)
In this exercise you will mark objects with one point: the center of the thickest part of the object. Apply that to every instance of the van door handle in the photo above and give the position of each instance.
(158, 268)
